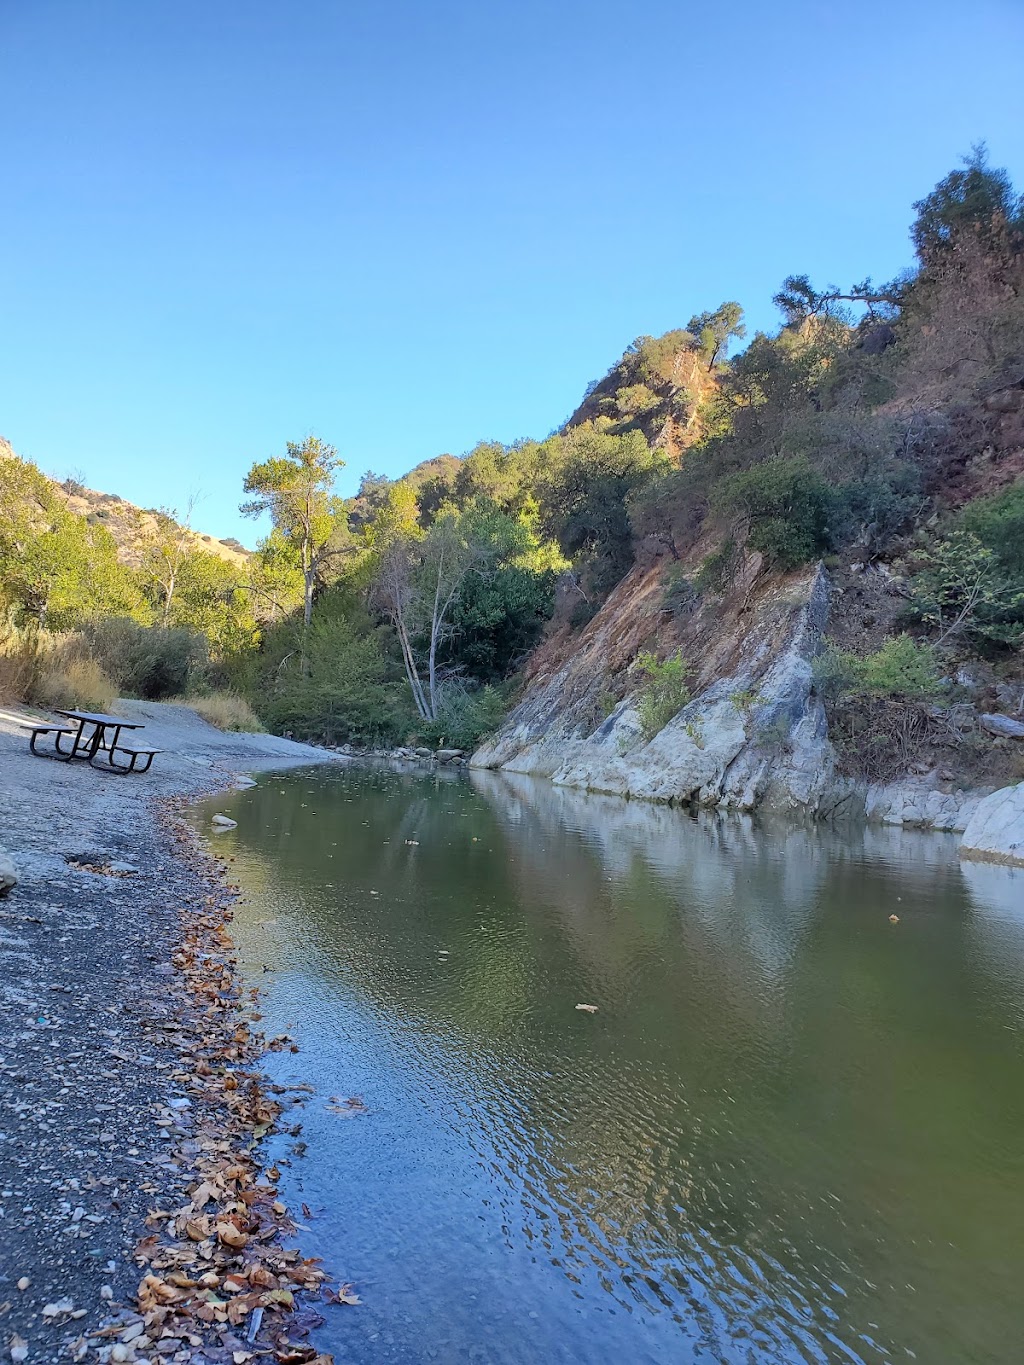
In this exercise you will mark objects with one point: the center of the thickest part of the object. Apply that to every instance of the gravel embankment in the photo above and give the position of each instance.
(89, 1123)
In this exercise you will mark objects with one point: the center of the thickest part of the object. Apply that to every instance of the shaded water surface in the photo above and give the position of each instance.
(793, 1131)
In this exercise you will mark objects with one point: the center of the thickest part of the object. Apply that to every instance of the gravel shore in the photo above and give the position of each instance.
(93, 1105)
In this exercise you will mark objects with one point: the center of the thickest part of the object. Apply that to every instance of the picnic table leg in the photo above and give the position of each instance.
(112, 746)
(76, 744)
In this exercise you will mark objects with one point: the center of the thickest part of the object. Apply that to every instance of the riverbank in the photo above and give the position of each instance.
(127, 1066)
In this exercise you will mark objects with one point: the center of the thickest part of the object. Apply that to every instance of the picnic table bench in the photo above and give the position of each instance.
(105, 736)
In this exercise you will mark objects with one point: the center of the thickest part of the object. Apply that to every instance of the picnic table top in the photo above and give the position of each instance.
(98, 718)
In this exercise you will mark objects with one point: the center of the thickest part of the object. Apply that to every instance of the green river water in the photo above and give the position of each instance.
(792, 1131)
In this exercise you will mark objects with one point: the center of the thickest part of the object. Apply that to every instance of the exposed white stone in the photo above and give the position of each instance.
(8, 874)
(995, 832)
(918, 803)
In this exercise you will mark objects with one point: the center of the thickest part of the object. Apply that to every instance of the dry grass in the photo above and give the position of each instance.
(225, 710)
(75, 683)
(51, 671)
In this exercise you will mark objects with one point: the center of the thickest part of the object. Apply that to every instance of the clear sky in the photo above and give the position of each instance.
(409, 226)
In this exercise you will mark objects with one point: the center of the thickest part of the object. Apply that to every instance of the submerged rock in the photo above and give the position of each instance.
(995, 832)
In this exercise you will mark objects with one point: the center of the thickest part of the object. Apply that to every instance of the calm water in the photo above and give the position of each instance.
(792, 1131)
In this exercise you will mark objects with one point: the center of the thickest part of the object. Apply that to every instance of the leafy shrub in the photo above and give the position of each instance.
(963, 588)
(153, 662)
(679, 596)
(998, 522)
(341, 688)
(696, 732)
(665, 691)
(717, 568)
(788, 506)
(902, 667)
(225, 710)
(745, 699)
(465, 718)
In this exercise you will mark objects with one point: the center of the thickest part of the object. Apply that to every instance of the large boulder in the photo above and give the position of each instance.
(995, 832)
(8, 874)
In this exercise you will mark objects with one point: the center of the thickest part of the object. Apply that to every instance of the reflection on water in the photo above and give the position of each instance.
(791, 1132)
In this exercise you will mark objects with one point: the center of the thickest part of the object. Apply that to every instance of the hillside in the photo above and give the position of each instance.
(132, 528)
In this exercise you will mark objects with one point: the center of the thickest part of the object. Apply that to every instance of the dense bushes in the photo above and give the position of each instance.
(336, 683)
(465, 718)
(788, 507)
(998, 522)
(148, 661)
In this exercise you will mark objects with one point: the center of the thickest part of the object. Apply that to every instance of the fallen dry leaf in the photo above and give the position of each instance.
(231, 1236)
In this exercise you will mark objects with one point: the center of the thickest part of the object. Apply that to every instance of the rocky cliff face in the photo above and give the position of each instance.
(754, 734)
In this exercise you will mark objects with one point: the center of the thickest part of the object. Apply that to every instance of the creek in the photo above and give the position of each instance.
(793, 1130)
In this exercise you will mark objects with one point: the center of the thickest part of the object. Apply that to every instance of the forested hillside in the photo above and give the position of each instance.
(881, 426)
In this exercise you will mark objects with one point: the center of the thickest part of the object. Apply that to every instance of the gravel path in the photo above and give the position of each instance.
(87, 1098)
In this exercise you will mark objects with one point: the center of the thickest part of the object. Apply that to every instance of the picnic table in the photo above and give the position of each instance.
(91, 733)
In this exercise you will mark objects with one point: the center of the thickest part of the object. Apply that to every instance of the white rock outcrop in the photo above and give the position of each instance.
(8, 875)
(995, 832)
(754, 734)
(920, 805)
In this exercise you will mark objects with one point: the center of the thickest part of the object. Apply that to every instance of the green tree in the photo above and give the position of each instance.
(211, 598)
(712, 332)
(499, 614)
(296, 489)
(55, 568)
(588, 476)
(167, 544)
(977, 198)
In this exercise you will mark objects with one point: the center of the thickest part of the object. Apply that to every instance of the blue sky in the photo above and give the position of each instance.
(410, 226)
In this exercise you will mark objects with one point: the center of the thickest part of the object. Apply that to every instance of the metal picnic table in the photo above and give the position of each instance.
(105, 734)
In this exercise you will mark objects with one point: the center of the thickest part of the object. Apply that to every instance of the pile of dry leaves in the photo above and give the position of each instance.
(218, 1283)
